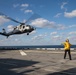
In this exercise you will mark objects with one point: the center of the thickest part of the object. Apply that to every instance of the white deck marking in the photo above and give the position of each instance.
(22, 53)
(53, 52)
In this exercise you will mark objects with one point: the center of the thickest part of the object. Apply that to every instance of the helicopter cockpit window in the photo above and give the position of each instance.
(23, 26)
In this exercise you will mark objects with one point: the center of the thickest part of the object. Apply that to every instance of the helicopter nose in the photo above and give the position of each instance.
(34, 28)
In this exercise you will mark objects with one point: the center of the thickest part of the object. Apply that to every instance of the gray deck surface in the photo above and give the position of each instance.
(36, 62)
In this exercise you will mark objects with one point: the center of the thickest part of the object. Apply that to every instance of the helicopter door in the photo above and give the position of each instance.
(20, 28)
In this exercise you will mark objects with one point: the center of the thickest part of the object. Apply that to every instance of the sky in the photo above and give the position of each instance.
(55, 21)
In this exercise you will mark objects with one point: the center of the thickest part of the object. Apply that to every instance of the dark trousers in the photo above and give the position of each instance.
(67, 51)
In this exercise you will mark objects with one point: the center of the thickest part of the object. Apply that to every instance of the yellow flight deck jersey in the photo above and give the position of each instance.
(66, 45)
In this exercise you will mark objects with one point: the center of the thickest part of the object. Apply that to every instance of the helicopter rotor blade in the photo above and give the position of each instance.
(34, 16)
(7, 17)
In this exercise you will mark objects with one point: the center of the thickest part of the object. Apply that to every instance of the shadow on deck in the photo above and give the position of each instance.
(10, 66)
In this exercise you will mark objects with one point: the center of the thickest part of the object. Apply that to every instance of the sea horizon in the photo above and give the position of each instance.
(34, 46)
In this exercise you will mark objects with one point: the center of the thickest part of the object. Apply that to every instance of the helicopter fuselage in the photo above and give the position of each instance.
(24, 28)
(20, 29)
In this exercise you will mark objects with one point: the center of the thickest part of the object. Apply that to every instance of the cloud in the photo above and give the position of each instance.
(40, 22)
(56, 37)
(38, 37)
(28, 11)
(21, 5)
(53, 33)
(24, 5)
(41, 6)
(43, 23)
(60, 27)
(24, 8)
(3, 20)
(33, 32)
(10, 27)
(72, 39)
(15, 5)
(70, 14)
(72, 33)
(57, 15)
(62, 6)
(71, 26)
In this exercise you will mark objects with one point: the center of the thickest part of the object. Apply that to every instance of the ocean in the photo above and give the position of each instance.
(34, 46)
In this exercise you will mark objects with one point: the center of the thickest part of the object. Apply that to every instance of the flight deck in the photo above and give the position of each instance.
(36, 62)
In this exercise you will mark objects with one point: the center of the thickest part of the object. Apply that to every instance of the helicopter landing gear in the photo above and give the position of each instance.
(27, 33)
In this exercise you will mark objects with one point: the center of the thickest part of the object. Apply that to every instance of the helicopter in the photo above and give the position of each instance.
(20, 29)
